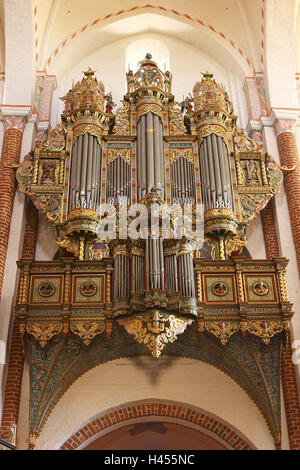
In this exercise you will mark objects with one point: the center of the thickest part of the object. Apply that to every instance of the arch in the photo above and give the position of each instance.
(212, 35)
(46, 408)
(155, 410)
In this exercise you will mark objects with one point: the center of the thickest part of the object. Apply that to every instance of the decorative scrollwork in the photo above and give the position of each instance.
(56, 140)
(155, 329)
(91, 129)
(243, 142)
(265, 329)
(24, 173)
(208, 93)
(50, 205)
(87, 329)
(149, 107)
(177, 126)
(44, 331)
(112, 154)
(275, 175)
(222, 330)
(186, 153)
(251, 205)
(122, 120)
(211, 129)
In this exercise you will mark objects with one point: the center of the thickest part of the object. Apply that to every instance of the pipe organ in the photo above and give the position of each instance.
(151, 152)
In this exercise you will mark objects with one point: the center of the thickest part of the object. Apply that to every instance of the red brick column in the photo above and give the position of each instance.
(16, 360)
(289, 158)
(11, 150)
(269, 231)
(288, 374)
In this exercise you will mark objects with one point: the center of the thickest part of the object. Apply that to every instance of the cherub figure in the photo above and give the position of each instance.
(168, 81)
(130, 81)
(187, 104)
(109, 103)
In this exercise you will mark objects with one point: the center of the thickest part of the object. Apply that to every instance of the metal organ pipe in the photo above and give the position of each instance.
(118, 180)
(171, 273)
(85, 173)
(183, 181)
(186, 275)
(215, 173)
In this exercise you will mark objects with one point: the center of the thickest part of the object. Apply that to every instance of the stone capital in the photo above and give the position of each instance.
(15, 117)
(284, 120)
(14, 122)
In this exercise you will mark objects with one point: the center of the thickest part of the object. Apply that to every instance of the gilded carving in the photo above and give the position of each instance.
(56, 139)
(87, 94)
(222, 330)
(186, 153)
(149, 107)
(208, 93)
(155, 329)
(49, 172)
(234, 244)
(24, 172)
(43, 331)
(50, 205)
(122, 120)
(114, 153)
(176, 121)
(98, 249)
(70, 244)
(87, 329)
(211, 129)
(243, 142)
(265, 329)
(91, 129)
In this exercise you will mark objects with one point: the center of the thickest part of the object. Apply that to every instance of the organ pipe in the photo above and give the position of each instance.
(85, 173)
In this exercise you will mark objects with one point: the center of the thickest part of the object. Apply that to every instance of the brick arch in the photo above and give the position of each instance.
(169, 411)
(158, 9)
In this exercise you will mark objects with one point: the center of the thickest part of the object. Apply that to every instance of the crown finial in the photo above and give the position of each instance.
(89, 73)
(207, 75)
(148, 56)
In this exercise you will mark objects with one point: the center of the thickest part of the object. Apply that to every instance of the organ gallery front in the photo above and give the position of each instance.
(192, 294)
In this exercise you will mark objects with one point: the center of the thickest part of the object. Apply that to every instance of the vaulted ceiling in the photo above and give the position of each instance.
(70, 29)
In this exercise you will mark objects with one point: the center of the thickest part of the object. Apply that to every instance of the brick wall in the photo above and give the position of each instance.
(288, 375)
(16, 360)
(10, 156)
(269, 231)
(289, 157)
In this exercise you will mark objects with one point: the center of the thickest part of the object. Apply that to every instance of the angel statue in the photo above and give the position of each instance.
(187, 104)
(109, 103)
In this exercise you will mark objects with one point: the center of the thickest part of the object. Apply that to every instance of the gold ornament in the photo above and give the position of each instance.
(122, 120)
(211, 129)
(186, 153)
(176, 121)
(87, 329)
(43, 331)
(155, 329)
(222, 330)
(91, 129)
(112, 154)
(147, 108)
(265, 329)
